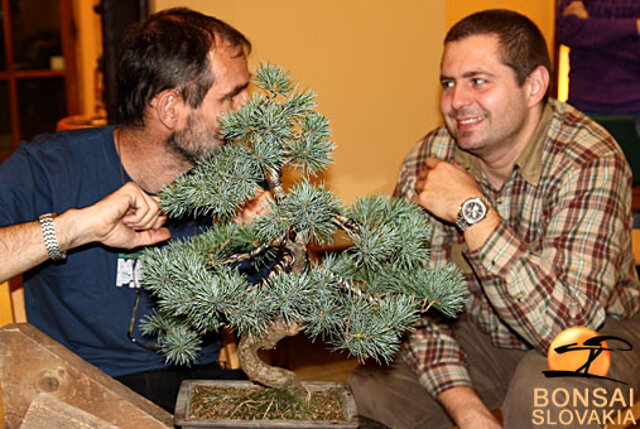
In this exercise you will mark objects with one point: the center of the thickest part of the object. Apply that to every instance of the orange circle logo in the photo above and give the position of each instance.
(581, 357)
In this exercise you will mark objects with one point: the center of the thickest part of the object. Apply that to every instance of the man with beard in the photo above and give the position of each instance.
(531, 199)
(179, 72)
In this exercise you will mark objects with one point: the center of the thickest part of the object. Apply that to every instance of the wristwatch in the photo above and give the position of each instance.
(471, 212)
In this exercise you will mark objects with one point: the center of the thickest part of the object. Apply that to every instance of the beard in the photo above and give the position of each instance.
(195, 140)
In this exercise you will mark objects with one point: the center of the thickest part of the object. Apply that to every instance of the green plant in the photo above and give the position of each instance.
(361, 300)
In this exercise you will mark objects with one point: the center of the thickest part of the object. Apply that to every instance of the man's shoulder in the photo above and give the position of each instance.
(54, 164)
(576, 136)
(80, 140)
(64, 151)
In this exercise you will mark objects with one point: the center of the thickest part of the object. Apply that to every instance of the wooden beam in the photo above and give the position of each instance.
(47, 411)
(32, 363)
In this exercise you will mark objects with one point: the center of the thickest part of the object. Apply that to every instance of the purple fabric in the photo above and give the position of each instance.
(605, 55)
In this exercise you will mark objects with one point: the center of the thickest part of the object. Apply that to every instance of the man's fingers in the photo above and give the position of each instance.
(260, 205)
(162, 218)
(143, 212)
(148, 221)
(432, 162)
(149, 237)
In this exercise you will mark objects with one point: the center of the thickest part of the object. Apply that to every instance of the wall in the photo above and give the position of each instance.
(540, 12)
(373, 64)
(88, 50)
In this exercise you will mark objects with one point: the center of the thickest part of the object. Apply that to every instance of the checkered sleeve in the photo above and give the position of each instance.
(571, 278)
(434, 355)
(432, 351)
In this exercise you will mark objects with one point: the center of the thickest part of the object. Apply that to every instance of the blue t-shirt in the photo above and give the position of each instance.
(85, 302)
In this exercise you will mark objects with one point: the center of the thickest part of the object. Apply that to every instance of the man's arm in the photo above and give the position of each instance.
(467, 409)
(461, 402)
(432, 351)
(576, 28)
(434, 355)
(442, 199)
(127, 218)
(571, 278)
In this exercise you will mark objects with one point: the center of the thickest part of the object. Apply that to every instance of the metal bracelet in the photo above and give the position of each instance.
(50, 238)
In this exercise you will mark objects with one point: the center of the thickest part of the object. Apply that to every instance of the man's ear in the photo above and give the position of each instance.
(537, 84)
(167, 108)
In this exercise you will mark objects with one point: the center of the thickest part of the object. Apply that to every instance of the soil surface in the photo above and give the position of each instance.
(257, 403)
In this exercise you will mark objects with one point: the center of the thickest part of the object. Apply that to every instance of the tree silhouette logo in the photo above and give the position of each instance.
(582, 352)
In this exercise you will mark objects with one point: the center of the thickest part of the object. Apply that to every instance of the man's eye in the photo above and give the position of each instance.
(478, 81)
(446, 83)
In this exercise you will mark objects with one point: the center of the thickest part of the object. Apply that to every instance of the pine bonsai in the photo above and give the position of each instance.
(361, 300)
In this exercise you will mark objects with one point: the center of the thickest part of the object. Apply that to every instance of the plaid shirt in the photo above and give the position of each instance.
(561, 257)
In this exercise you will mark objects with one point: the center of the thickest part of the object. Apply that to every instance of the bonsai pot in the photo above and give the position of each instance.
(184, 417)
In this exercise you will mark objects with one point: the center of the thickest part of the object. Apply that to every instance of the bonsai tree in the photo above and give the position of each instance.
(360, 300)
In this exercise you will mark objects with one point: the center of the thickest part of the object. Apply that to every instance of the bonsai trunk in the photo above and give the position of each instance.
(256, 369)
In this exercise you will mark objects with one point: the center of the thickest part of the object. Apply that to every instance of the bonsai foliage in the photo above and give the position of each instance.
(360, 300)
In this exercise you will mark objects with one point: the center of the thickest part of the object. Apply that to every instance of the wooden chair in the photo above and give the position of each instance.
(228, 358)
(635, 244)
(12, 308)
(6, 305)
(623, 129)
(6, 317)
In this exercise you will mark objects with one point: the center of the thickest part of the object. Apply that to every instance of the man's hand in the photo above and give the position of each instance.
(125, 219)
(576, 8)
(259, 206)
(442, 187)
(467, 409)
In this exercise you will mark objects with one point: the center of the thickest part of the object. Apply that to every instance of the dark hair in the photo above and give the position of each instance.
(170, 50)
(522, 45)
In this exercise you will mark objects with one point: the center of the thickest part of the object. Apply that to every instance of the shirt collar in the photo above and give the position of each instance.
(530, 160)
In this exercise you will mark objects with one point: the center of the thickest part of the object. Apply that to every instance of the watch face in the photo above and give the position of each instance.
(474, 210)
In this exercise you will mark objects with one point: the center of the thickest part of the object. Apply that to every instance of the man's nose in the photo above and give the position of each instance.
(240, 100)
(460, 97)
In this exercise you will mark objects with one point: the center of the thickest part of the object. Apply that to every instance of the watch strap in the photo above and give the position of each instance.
(461, 222)
(50, 238)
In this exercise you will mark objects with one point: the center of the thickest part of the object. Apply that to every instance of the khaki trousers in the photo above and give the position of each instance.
(508, 379)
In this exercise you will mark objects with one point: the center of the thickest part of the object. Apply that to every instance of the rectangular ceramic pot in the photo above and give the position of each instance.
(183, 403)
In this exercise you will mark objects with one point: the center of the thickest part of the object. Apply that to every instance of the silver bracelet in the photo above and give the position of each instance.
(50, 238)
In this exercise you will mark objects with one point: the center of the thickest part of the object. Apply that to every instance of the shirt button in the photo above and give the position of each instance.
(520, 296)
(500, 201)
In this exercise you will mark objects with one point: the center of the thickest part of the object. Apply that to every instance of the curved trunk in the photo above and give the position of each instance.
(258, 370)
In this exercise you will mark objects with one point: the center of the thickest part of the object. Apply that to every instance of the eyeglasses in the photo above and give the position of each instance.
(154, 347)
